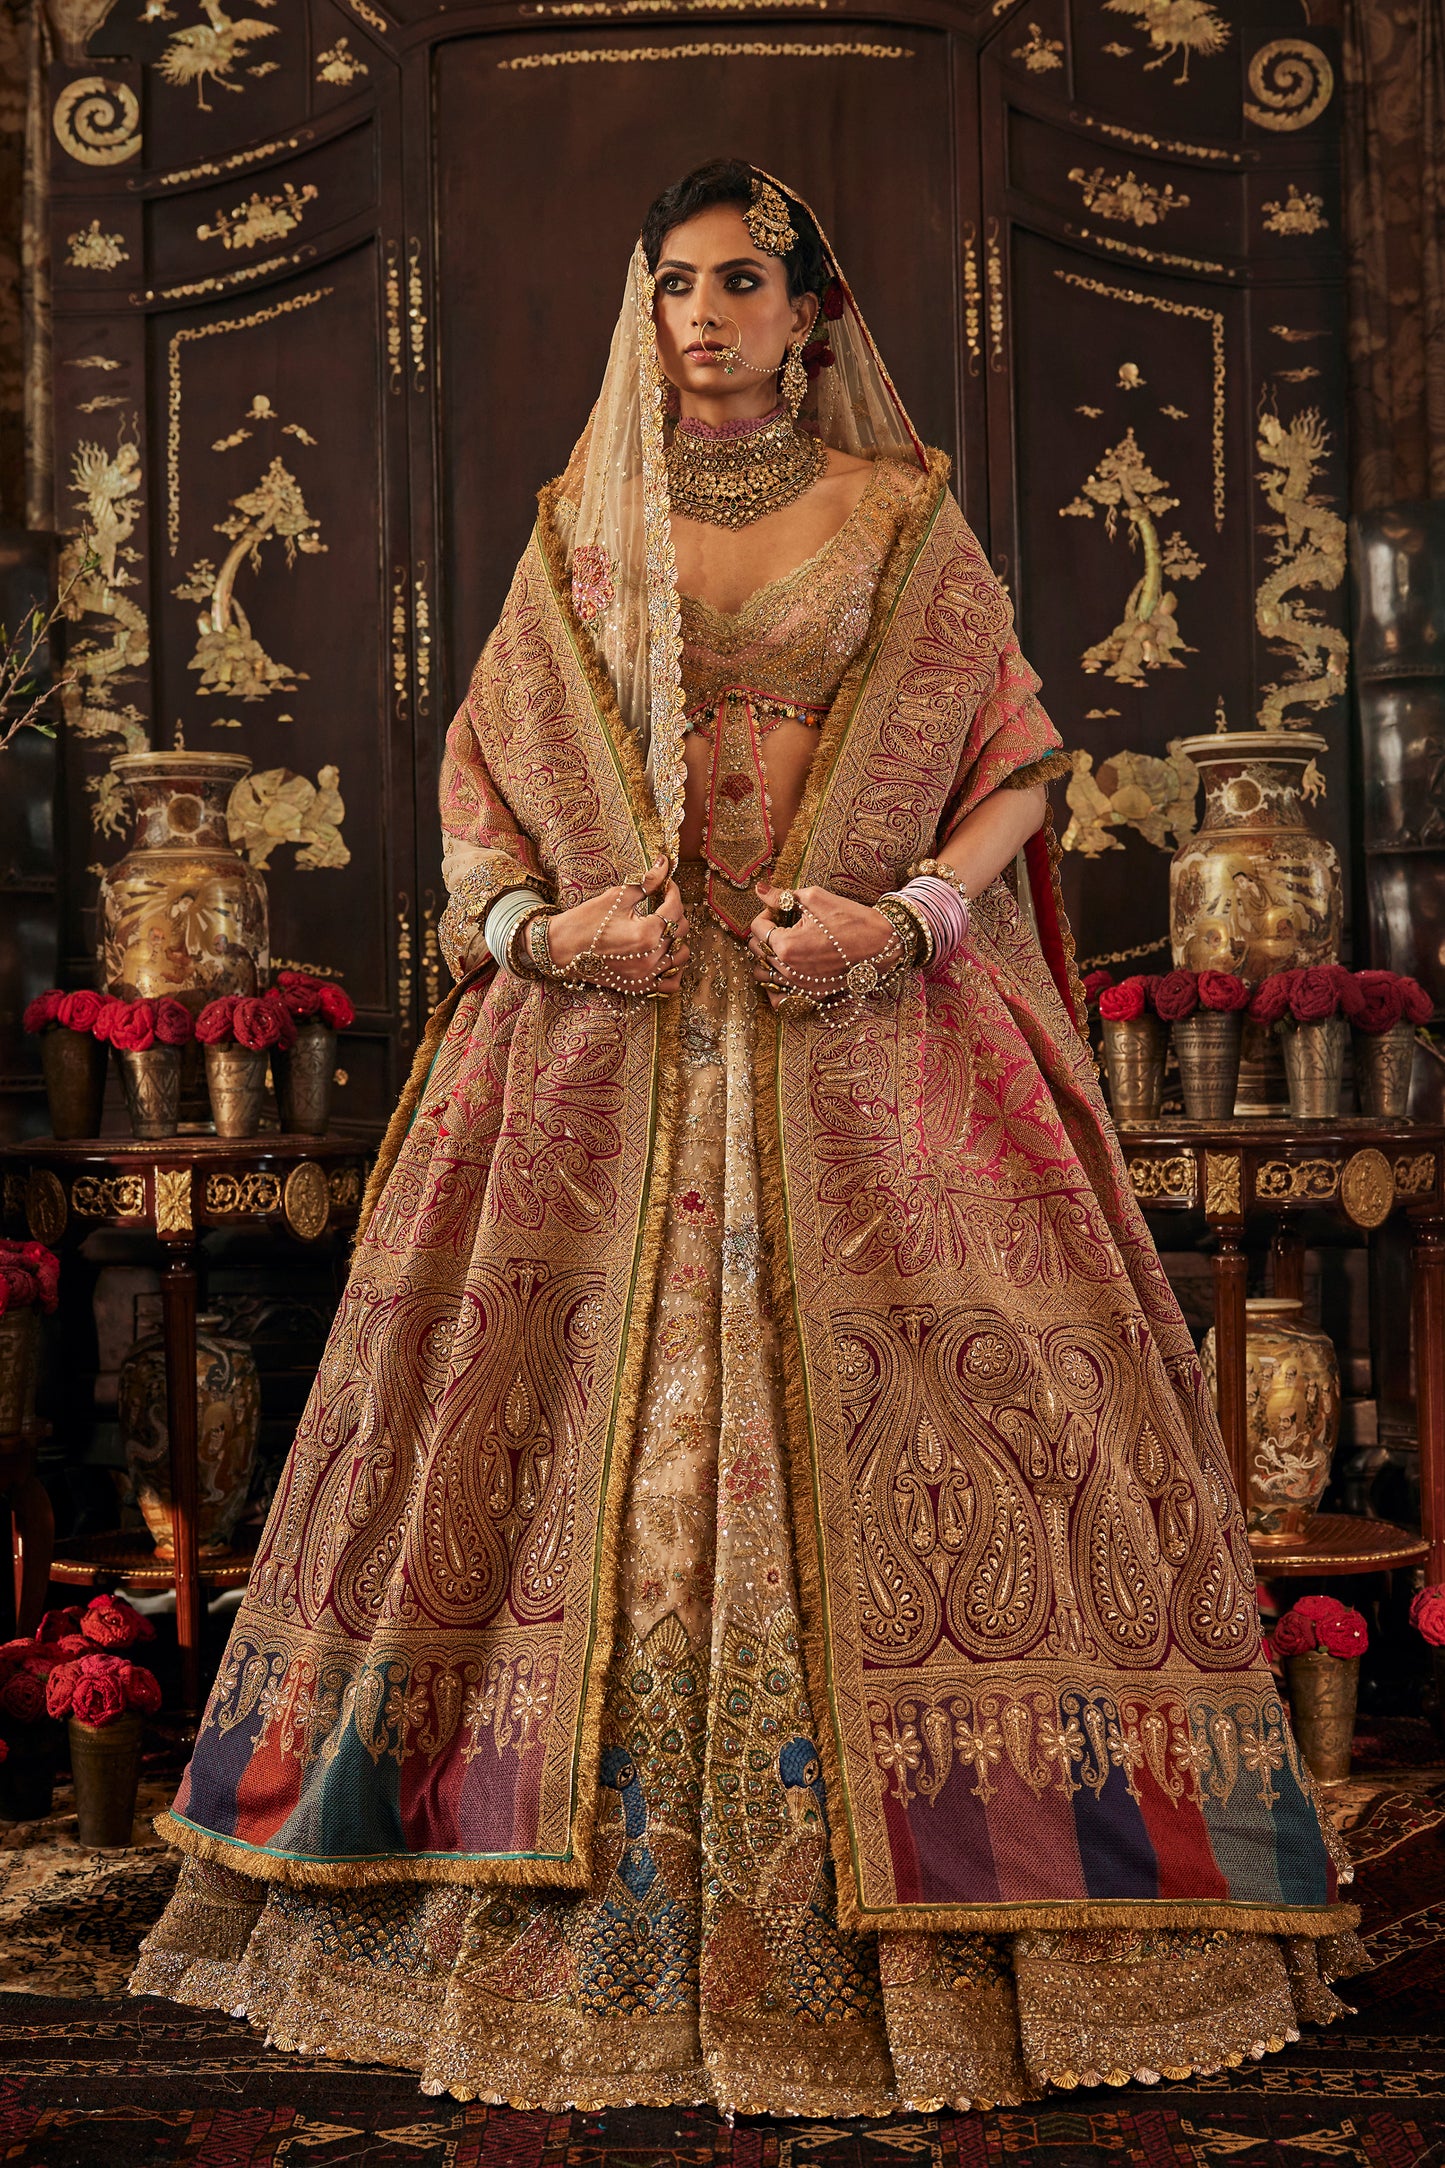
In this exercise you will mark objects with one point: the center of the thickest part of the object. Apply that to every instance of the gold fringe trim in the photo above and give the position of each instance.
(1045, 771)
(1066, 931)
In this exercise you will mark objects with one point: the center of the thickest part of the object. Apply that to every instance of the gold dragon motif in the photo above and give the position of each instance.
(1309, 551)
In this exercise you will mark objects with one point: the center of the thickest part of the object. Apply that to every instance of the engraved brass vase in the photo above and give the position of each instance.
(1384, 1064)
(1254, 889)
(74, 1066)
(236, 1081)
(105, 1763)
(19, 1357)
(1206, 1046)
(1134, 1064)
(152, 1085)
(183, 913)
(1314, 1066)
(304, 1079)
(1292, 1415)
(1323, 1690)
(228, 1423)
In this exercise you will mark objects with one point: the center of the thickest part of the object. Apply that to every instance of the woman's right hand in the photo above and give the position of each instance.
(633, 947)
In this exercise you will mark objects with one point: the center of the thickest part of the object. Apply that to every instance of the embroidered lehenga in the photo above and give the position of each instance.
(755, 1611)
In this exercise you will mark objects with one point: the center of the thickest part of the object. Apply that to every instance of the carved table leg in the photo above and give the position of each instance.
(1428, 1261)
(1231, 1277)
(178, 1317)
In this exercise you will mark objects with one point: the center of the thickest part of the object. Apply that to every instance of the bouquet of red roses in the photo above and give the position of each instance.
(58, 1011)
(134, 1027)
(257, 1022)
(313, 1000)
(1427, 1614)
(29, 1276)
(1321, 1622)
(77, 1665)
(1311, 995)
(1130, 999)
(1377, 1001)
(1181, 993)
(1094, 983)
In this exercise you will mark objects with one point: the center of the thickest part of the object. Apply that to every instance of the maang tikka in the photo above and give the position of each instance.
(767, 220)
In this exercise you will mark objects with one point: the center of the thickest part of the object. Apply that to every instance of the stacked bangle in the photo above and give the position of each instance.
(912, 928)
(503, 919)
(943, 905)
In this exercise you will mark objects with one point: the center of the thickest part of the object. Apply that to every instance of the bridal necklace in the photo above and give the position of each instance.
(731, 473)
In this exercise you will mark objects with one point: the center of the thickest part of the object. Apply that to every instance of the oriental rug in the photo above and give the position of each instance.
(92, 2080)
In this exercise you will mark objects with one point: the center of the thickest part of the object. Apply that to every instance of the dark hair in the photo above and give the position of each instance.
(730, 180)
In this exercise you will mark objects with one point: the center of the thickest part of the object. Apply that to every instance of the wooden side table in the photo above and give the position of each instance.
(1357, 1170)
(174, 1190)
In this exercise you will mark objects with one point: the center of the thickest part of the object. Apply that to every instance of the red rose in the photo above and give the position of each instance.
(1321, 1622)
(1121, 1004)
(1427, 1614)
(817, 354)
(142, 1689)
(1094, 983)
(1315, 995)
(173, 1022)
(1344, 1637)
(1271, 997)
(285, 1022)
(1293, 1636)
(42, 1661)
(71, 1647)
(115, 1624)
(57, 1624)
(300, 992)
(132, 1027)
(97, 1698)
(13, 1655)
(337, 1008)
(253, 1025)
(105, 1018)
(43, 1010)
(1222, 990)
(215, 1026)
(1374, 1003)
(1417, 1004)
(1176, 995)
(78, 1011)
(23, 1696)
(834, 300)
(59, 1689)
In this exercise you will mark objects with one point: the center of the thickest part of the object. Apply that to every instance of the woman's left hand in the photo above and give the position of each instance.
(857, 931)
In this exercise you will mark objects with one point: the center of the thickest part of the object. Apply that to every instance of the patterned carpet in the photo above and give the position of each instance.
(91, 2080)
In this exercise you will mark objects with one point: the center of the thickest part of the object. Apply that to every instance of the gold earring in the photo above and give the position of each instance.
(793, 379)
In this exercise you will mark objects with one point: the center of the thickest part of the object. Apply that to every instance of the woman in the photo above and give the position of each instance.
(755, 1611)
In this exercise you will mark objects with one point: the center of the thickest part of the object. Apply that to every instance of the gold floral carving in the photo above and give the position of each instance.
(416, 317)
(1296, 1181)
(1148, 255)
(1147, 637)
(212, 49)
(1122, 197)
(226, 282)
(230, 659)
(1038, 53)
(1297, 214)
(277, 807)
(254, 1193)
(1131, 790)
(1215, 319)
(46, 1210)
(393, 316)
(338, 64)
(993, 272)
(108, 486)
(1222, 1195)
(179, 340)
(404, 965)
(97, 122)
(421, 614)
(1367, 1187)
(173, 1201)
(307, 1200)
(972, 310)
(1146, 142)
(344, 1184)
(1293, 82)
(398, 642)
(260, 218)
(211, 169)
(1415, 1177)
(1308, 551)
(431, 952)
(92, 250)
(1176, 29)
(108, 1196)
(1157, 1180)
(710, 49)
(369, 15)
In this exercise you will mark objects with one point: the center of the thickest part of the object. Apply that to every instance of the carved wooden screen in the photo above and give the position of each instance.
(333, 290)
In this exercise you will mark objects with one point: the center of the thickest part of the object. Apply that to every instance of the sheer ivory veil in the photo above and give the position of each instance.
(614, 512)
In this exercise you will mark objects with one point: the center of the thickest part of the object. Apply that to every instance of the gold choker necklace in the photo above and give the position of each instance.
(732, 475)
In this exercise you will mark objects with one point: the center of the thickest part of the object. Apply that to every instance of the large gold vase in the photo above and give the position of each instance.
(183, 913)
(228, 1423)
(1254, 889)
(1292, 1415)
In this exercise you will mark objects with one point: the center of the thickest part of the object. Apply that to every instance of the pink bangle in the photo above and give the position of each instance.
(945, 910)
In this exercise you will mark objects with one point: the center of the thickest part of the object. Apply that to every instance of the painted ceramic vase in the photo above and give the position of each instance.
(1254, 889)
(228, 1422)
(1292, 1414)
(183, 913)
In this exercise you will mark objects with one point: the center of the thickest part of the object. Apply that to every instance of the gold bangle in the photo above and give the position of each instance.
(911, 928)
(938, 869)
(539, 948)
